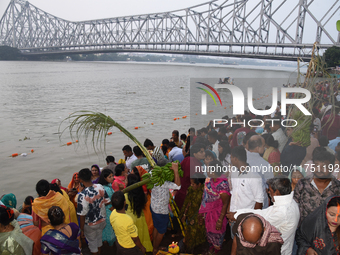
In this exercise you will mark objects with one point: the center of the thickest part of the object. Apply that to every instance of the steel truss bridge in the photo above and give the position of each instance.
(269, 29)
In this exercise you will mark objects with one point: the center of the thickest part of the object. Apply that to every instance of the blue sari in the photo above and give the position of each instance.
(55, 242)
(108, 233)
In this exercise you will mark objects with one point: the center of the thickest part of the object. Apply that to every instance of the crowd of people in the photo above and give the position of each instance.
(233, 180)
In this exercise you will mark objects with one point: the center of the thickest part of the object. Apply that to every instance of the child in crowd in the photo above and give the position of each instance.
(128, 242)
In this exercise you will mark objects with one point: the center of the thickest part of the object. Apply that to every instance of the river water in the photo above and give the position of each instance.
(36, 96)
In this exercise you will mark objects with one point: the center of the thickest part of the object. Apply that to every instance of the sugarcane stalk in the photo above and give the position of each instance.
(174, 209)
(136, 185)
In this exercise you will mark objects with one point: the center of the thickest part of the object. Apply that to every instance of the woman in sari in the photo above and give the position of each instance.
(73, 188)
(9, 200)
(27, 205)
(140, 171)
(136, 202)
(319, 232)
(27, 227)
(64, 238)
(215, 201)
(119, 182)
(12, 240)
(58, 182)
(47, 198)
(106, 179)
(73, 213)
(74, 183)
(194, 232)
(95, 170)
(272, 154)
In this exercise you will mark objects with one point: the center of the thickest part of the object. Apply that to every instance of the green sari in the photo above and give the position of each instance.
(15, 242)
(194, 233)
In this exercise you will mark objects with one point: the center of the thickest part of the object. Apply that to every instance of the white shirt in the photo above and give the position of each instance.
(160, 197)
(158, 153)
(129, 160)
(215, 148)
(263, 168)
(174, 152)
(246, 190)
(284, 215)
(280, 136)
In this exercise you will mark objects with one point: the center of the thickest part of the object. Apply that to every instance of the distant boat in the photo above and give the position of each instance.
(192, 62)
(223, 82)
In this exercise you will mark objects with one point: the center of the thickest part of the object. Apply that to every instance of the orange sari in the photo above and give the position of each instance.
(72, 185)
(41, 205)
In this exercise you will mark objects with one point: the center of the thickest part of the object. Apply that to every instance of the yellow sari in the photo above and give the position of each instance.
(73, 213)
(41, 205)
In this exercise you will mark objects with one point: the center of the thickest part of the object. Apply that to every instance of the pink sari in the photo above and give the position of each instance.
(211, 207)
(118, 180)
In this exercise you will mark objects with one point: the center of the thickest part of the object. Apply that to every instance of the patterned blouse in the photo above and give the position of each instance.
(308, 196)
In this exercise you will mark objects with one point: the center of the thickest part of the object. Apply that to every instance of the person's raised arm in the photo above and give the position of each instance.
(177, 180)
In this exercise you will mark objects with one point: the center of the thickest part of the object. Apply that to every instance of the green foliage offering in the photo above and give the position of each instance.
(302, 132)
(95, 125)
(338, 25)
(9, 53)
(159, 175)
(332, 56)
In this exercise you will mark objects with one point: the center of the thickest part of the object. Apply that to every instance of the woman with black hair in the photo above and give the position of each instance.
(140, 171)
(12, 240)
(319, 232)
(136, 201)
(64, 238)
(119, 182)
(73, 214)
(106, 179)
(47, 198)
(272, 154)
(95, 170)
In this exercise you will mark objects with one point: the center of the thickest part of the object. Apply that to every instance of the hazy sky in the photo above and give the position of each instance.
(79, 10)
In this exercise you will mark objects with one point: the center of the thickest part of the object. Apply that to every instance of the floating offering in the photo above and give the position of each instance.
(15, 155)
(151, 123)
(32, 150)
(69, 143)
(176, 118)
(110, 133)
(136, 127)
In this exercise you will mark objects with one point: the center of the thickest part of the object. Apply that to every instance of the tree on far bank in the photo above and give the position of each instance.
(332, 56)
(9, 53)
